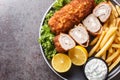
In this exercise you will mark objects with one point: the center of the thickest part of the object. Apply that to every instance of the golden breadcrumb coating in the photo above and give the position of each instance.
(70, 15)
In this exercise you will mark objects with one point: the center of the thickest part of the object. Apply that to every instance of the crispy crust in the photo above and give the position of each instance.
(84, 44)
(58, 47)
(70, 15)
(97, 7)
(88, 20)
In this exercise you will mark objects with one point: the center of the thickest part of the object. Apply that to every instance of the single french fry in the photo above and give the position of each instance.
(97, 49)
(97, 45)
(94, 41)
(113, 23)
(118, 38)
(106, 24)
(114, 11)
(104, 56)
(106, 46)
(110, 21)
(117, 33)
(116, 45)
(109, 59)
(119, 27)
(106, 29)
(110, 52)
(109, 63)
(118, 22)
(116, 41)
(118, 9)
(115, 59)
(110, 32)
(114, 63)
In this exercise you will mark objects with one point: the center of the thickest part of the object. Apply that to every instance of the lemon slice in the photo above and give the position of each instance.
(78, 55)
(61, 62)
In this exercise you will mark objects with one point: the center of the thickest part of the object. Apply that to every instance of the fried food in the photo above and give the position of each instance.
(80, 35)
(110, 32)
(113, 56)
(97, 45)
(118, 9)
(114, 63)
(114, 11)
(104, 56)
(92, 24)
(106, 46)
(103, 11)
(63, 42)
(94, 41)
(70, 15)
(116, 45)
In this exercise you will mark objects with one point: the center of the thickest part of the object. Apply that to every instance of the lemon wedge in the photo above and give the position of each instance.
(78, 55)
(61, 63)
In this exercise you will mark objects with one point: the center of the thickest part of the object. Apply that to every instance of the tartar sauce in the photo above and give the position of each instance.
(96, 69)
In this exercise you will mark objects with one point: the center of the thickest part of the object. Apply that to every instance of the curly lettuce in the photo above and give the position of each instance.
(46, 39)
(60, 3)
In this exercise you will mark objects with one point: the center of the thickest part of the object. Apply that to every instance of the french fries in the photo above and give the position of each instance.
(97, 45)
(118, 22)
(114, 63)
(116, 45)
(115, 59)
(113, 56)
(118, 9)
(110, 32)
(114, 11)
(109, 63)
(110, 51)
(118, 34)
(94, 41)
(118, 38)
(106, 25)
(104, 56)
(107, 44)
(110, 21)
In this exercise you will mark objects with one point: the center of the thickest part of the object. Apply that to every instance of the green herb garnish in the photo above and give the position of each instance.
(60, 3)
(99, 1)
(47, 36)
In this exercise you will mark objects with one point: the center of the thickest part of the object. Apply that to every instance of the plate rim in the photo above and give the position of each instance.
(41, 49)
(111, 74)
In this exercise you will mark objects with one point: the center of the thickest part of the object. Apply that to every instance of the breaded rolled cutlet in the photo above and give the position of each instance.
(70, 15)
